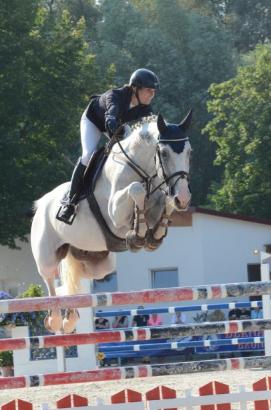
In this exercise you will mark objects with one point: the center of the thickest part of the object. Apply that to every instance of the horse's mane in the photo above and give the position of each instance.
(139, 131)
(138, 124)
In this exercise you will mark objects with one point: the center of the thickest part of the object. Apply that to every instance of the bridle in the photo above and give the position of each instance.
(180, 174)
(147, 179)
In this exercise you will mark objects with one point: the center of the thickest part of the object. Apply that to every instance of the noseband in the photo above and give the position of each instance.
(146, 177)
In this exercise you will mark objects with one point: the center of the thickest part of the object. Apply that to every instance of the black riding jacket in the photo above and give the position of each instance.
(115, 104)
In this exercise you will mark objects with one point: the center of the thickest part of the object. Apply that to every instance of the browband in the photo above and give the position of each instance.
(174, 140)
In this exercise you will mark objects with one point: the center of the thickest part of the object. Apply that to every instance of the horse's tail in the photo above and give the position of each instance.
(71, 273)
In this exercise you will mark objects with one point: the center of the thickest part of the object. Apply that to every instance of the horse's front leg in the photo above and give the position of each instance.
(135, 238)
(126, 203)
(155, 236)
(53, 319)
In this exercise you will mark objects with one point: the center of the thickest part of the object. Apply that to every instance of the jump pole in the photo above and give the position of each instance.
(265, 276)
(137, 297)
(132, 372)
(136, 333)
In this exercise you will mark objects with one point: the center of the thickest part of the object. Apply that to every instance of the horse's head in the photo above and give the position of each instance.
(173, 152)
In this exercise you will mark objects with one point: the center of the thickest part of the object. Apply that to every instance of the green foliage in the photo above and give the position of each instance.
(187, 50)
(48, 75)
(241, 129)
(249, 21)
(33, 291)
(32, 319)
(6, 359)
(56, 53)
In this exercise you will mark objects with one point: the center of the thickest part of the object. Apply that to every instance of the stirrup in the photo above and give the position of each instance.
(71, 218)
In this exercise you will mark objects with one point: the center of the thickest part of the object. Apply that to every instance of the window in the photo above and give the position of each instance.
(107, 284)
(164, 278)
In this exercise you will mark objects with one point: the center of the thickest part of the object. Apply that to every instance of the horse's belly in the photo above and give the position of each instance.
(85, 232)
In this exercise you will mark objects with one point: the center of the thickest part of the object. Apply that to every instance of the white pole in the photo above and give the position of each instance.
(86, 353)
(60, 350)
(265, 276)
(60, 356)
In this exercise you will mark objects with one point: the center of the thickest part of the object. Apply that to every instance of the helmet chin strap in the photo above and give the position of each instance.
(138, 99)
(137, 96)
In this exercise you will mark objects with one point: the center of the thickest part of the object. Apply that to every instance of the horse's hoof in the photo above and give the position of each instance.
(70, 319)
(53, 323)
(134, 242)
(151, 244)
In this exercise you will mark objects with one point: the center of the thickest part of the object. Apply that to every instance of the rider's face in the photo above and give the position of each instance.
(146, 95)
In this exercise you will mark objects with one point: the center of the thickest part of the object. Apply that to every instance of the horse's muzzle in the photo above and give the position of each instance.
(181, 204)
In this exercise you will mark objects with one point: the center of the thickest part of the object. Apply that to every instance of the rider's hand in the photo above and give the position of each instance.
(111, 125)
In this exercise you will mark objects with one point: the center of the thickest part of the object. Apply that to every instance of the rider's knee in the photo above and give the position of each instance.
(85, 158)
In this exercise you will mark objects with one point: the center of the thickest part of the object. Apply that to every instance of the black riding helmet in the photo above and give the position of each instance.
(143, 78)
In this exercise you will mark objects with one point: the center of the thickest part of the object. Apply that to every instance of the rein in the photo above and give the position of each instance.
(137, 168)
(142, 173)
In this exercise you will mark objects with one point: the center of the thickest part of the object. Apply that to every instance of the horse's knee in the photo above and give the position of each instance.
(137, 192)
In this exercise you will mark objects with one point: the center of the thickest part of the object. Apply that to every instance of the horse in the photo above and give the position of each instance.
(145, 177)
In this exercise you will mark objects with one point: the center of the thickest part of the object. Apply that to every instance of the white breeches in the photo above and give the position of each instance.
(90, 136)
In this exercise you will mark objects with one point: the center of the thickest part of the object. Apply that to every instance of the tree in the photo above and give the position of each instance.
(247, 20)
(241, 109)
(48, 75)
(187, 50)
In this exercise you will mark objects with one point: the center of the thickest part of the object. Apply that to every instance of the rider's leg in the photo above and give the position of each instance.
(67, 211)
(90, 136)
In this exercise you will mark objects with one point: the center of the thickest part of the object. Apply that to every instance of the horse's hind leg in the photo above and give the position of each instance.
(53, 319)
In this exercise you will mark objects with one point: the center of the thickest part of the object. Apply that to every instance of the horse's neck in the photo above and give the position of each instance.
(117, 175)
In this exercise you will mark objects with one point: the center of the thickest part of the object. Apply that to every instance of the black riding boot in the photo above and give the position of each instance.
(67, 211)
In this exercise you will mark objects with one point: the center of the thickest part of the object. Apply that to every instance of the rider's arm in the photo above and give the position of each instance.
(112, 110)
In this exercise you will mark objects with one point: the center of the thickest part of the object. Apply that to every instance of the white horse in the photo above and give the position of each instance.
(145, 178)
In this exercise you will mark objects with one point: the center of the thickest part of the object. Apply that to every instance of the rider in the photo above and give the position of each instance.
(105, 113)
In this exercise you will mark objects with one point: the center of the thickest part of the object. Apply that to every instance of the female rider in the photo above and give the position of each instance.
(105, 113)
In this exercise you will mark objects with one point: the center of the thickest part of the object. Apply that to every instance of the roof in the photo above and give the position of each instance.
(185, 218)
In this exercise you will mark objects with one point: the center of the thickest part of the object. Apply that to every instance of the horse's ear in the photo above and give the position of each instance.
(185, 123)
(161, 124)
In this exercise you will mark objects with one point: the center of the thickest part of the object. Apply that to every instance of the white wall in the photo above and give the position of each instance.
(212, 250)
(17, 268)
(228, 246)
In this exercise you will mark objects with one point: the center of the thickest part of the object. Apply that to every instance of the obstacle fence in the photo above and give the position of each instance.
(148, 333)
(211, 393)
(182, 344)
(144, 333)
(174, 309)
(129, 298)
(131, 372)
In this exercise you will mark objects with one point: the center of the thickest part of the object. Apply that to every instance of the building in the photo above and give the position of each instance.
(202, 247)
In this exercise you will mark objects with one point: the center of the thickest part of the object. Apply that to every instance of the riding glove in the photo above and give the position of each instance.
(111, 125)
